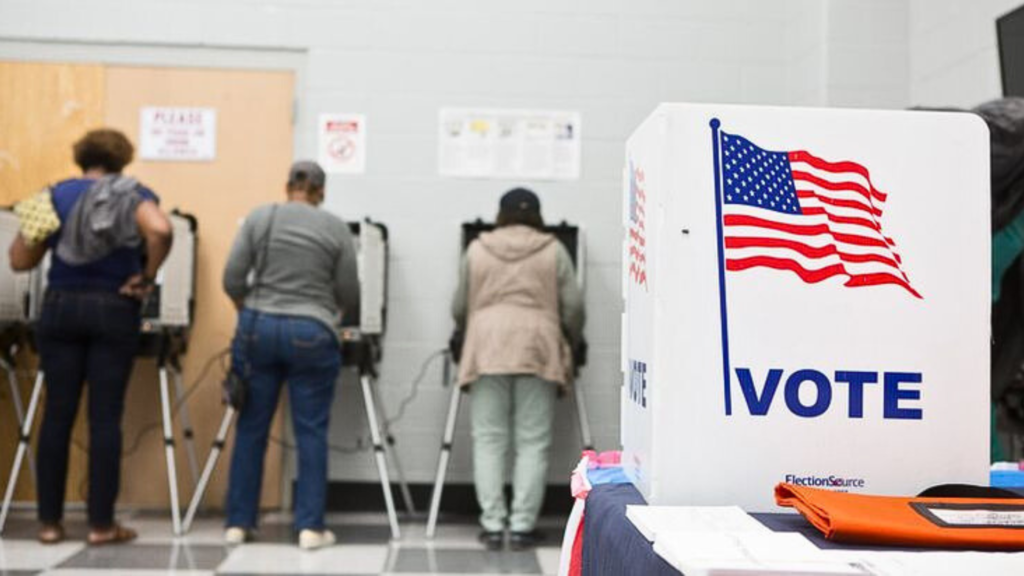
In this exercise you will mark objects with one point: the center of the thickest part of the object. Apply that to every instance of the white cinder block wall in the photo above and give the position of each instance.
(954, 59)
(399, 61)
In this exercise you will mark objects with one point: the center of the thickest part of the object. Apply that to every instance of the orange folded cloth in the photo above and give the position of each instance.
(965, 523)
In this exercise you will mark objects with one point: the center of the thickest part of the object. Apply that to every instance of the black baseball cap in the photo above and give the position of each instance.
(519, 200)
(307, 172)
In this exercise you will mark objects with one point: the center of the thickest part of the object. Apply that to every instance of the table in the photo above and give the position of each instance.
(612, 546)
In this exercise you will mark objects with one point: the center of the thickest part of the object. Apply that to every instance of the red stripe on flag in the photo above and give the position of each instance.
(810, 276)
(839, 203)
(638, 274)
(878, 279)
(637, 255)
(853, 220)
(799, 176)
(808, 250)
(808, 158)
(803, 230)
(815, 276)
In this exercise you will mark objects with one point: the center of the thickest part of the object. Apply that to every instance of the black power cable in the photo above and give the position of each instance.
(361, 445)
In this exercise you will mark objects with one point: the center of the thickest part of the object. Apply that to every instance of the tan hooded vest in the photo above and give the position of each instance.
(513, 324)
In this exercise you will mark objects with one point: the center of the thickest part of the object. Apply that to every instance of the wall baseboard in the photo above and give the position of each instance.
(458, 499)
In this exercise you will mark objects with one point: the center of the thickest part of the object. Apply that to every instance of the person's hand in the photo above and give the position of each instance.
(137, 286)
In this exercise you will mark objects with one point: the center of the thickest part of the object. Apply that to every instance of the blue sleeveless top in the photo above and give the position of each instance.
(106, 274)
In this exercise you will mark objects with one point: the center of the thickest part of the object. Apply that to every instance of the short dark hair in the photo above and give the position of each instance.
(103, 148)
(531, 219)
(306, 176)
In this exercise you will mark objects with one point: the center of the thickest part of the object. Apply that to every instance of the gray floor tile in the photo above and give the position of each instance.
(18, 572)
(25, 528)
(419, 560)
(149, 556)
(346, 533)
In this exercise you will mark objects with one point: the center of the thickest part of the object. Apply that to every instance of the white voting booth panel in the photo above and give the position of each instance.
(372, 262)
(15, 287)
(807, 301)
(171, 304)
(176, 278)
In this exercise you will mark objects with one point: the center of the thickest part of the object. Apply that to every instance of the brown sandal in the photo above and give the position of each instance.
(50, 534)
(116, 534)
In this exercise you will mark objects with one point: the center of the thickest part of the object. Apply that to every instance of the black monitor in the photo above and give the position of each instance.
(567, 234)
(1010, 30)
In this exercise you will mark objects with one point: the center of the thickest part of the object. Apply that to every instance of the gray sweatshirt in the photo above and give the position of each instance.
(310, 267)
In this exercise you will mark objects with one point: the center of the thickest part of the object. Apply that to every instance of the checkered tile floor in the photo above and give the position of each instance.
(364, 549)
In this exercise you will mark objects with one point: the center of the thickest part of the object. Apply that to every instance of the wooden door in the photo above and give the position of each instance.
(254, 149)
(44, 108)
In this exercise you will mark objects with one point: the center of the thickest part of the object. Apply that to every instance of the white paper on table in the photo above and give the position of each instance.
(754, 553)
(933, 563)
(652, 520)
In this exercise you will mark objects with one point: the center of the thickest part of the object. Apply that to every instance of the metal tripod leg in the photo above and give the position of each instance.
(186, 426)
(379, 451)
(583, 419)
(392, 454)
(442, 462)
(26, 430)
(12, 381)
(211, 464)
(172, 472)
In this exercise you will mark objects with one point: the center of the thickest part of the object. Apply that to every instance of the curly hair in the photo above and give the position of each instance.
(103, 148)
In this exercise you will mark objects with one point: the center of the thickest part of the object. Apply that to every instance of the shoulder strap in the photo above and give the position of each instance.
(261, 264)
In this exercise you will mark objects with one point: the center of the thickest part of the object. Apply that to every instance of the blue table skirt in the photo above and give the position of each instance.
(611, 545)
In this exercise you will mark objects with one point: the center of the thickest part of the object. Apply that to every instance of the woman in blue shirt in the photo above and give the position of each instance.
(89, 327)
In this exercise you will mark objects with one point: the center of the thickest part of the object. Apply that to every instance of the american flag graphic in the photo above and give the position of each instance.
(637, 239)
(796, 212)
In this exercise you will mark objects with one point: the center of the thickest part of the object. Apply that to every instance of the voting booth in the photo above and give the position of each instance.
(166, 318)
(573, 239)
(15, 287)
(807, 301)
(361, 349)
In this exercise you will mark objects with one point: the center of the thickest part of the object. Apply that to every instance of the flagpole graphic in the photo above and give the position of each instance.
(726, 372)
(800, 214)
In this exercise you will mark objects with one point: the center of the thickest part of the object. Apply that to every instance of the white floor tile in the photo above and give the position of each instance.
(154, 530)
(453, 574)
(446, 536)
(289, 559)
(31, 555)
(132, 572)
(548, 559)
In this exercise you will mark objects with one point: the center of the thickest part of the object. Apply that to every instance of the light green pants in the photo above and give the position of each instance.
(511, 411)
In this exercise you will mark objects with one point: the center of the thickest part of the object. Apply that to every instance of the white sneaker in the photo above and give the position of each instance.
(235, 535)
(313, 539)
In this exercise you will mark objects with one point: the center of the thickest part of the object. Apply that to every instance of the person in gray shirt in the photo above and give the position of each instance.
(292, 274)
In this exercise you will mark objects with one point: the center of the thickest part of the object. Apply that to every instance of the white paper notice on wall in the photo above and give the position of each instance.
(178, 134)
(342, 143)
(518, 144)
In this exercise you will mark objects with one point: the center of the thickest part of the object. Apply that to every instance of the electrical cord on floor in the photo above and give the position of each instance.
(362, 444)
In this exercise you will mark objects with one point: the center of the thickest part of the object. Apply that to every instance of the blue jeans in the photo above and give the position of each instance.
(273, 349)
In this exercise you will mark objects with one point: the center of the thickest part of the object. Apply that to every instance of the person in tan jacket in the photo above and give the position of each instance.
(521, 310)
